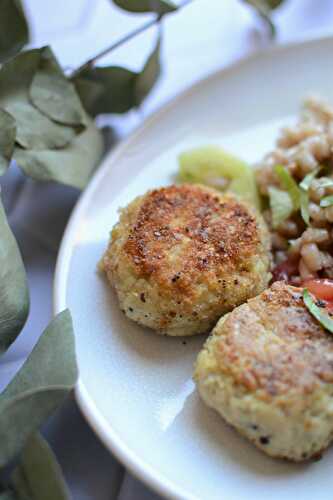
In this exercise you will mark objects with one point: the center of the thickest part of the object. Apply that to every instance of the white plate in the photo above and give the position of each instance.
(135, 387)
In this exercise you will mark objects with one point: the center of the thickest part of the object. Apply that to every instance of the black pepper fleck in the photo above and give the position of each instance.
(264, 439)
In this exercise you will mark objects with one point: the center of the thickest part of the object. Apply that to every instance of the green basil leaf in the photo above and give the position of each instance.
(14, 31)
(306, 182)
(281, 206)
(53, 94)
(72, 165)
(38, 475)
(324, 319)
(161, 7)
(304, 201)
(14, 293)
(146, 80)
(34, 129)
(40, 386)
(118, 89)
(327, 201)
(289, 184)
(7, 139)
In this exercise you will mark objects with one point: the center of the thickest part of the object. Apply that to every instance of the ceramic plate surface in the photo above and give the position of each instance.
(135, 387)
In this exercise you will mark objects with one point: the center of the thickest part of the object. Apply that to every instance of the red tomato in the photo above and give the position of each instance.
(320, 288)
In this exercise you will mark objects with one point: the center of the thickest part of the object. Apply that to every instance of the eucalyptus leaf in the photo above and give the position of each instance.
(14, 293)
(37, 131)
(7, 139)
(41, 385)
(161, 7)
(53, 94)
(116, 89)
(117, 84)
(14, 31)
(89, 92)
(38, 475)
(146, 80)
(34, 129)
(72, 165)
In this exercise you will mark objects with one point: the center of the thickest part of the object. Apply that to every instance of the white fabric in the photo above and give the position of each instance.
(205, 36)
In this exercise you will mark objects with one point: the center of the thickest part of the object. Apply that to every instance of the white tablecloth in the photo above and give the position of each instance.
(204, 37)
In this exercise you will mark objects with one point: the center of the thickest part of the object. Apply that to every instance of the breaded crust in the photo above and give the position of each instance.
(268, 370)
(183, 255)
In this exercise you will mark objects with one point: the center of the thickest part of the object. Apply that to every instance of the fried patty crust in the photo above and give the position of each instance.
(268, 370)
(183, 255)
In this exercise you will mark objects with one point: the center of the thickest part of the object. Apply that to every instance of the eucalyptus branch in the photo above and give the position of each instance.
(123, 40)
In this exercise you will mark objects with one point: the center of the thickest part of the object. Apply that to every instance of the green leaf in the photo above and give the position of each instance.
(7, 139)
(281, 206)
(53, 94)
(306, 182)
(14, 32)
(14, 293)
(305, 213)
(161, 7)
(324, 319)
(38, 475)
(117, 95)
(34, 129)
(289, 184)
(264, 8)
(89, 92)
(327, 201)
(72, 165)
(39, 388)
(113, 89)
(146, 80)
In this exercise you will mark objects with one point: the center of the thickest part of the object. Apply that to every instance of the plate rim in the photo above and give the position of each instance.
(129, 459)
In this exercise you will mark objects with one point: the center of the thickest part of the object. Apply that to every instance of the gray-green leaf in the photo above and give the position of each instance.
(146, 80)
(34, 129)
(161, 7)
(116, 94)
(72, 165)
(39, 388)
(7, 139)
(53, 94)
(14, 32)
(14, 293)
(117, 90)
(38, 475)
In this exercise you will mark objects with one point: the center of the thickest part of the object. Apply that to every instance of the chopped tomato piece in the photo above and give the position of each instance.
(320, 288)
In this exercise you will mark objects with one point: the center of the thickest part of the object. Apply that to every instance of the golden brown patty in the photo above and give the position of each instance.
(268, 370)
(181, 256)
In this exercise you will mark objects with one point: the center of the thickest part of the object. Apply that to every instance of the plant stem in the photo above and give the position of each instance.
(123, 40)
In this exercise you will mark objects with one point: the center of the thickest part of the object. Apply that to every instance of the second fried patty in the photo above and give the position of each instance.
(268, 370)
(181, 256)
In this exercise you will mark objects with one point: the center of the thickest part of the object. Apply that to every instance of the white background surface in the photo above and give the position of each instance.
(205, 36)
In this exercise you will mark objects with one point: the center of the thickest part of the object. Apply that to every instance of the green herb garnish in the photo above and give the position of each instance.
(289, 184)
(304, 200)
(327, 201)
(306, 182)
(281, 206)
(324, 319)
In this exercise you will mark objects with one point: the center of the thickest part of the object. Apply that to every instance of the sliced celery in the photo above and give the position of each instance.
(212, 166)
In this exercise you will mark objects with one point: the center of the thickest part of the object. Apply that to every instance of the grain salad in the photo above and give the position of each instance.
(296, 181)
